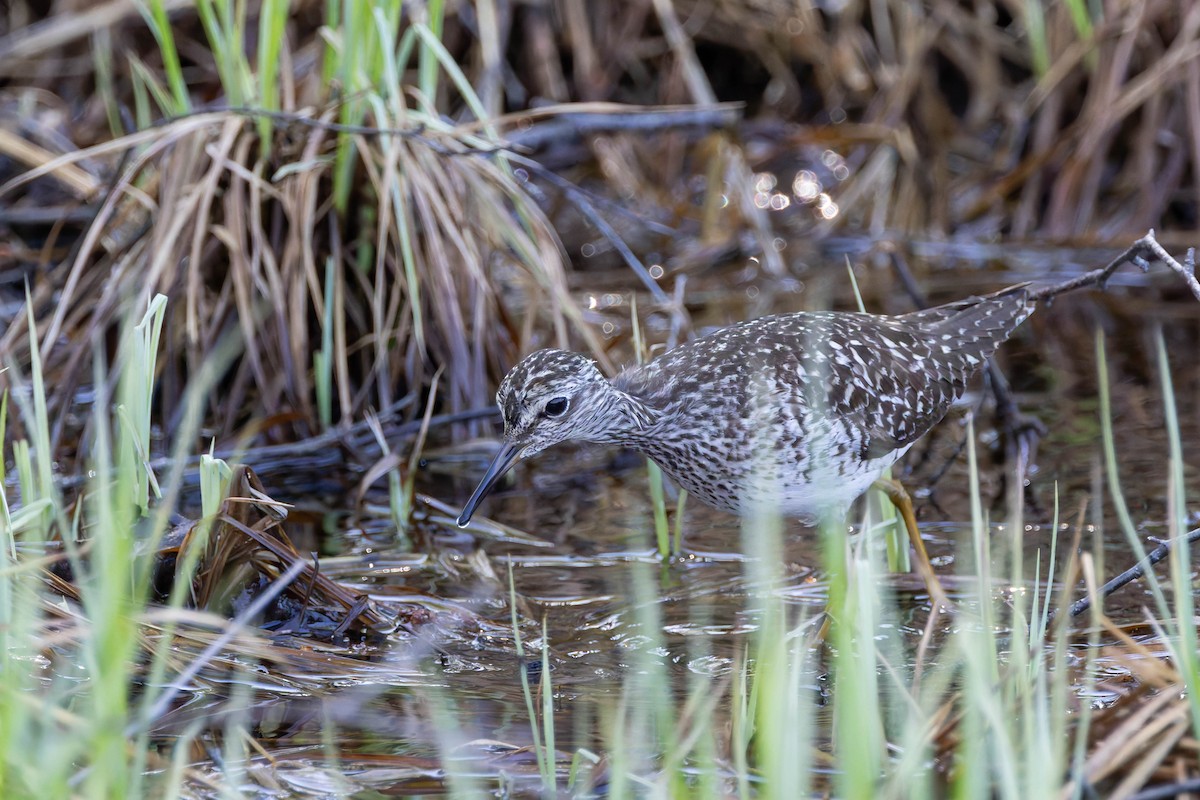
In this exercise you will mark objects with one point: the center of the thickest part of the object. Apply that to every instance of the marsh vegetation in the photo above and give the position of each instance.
(262, 265)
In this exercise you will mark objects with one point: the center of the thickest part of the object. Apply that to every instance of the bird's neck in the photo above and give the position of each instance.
(626, 421)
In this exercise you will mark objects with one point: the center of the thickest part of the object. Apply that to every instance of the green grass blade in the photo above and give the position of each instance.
(155, 14)
(1182, 585)
(1113, 474)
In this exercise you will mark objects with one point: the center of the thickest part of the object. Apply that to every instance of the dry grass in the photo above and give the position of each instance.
(250, 249)
(945, 123)
(1014, 119)
(355, 242)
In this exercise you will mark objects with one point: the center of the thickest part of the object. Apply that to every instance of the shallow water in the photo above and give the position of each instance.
(624, 628)
(615, 615)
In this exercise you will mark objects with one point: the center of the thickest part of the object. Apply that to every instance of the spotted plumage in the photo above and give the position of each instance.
(797, 413)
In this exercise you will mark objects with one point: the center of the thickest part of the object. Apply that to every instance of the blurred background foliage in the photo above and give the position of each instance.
(361, 193)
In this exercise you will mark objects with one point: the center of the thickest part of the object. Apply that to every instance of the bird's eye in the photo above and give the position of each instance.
(556, 407)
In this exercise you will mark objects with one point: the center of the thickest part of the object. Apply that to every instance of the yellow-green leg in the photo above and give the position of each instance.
(903, 504)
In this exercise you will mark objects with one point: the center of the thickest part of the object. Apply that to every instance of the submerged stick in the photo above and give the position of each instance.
(238, 624)
(1133, 573)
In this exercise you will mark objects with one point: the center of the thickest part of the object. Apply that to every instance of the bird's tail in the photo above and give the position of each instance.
(985, 321)
(1000, 311)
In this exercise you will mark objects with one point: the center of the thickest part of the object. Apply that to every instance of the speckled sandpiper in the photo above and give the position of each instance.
(799, 413)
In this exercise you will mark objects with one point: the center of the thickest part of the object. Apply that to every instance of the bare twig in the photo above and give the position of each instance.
(548, 124)
(1133, 573)
(577, 126)
(575, 192)
(324, 451)
(1143, 253)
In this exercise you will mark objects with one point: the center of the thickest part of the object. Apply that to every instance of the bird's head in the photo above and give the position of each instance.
(549, 397)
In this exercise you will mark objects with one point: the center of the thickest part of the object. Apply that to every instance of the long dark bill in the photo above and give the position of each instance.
(500, 464)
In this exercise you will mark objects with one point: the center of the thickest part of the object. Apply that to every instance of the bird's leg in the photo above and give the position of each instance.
(822, 635)
(937, 594)
(903, 504)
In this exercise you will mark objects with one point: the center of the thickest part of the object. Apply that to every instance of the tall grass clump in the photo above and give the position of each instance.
(88, 693)
(75, 594)
(345, 307)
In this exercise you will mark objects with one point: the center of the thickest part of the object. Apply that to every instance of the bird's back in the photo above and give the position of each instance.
(780, 405)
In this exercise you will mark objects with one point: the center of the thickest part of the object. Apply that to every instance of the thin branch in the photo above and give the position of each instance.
(1133, 573)
(578, 126)
(1142, 253)
(545, 125)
